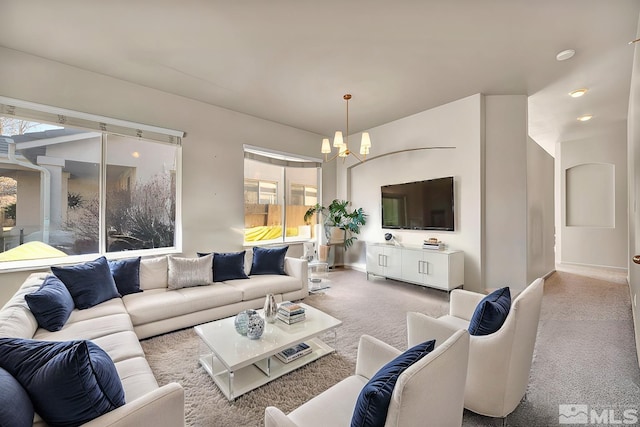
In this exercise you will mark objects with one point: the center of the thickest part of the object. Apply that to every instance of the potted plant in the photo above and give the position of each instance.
(337, 216)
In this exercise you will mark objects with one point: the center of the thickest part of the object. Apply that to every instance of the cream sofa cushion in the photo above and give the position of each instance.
(16, 320)
(107, 308)
(160, 304)
(137, 378)
(121, 345)
(153, 273)
(206, 297)
(260, 285)
(88, 329)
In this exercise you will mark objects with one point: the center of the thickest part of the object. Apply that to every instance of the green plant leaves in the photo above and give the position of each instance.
(337, 215)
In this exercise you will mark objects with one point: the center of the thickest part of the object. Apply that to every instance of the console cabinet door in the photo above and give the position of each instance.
(384, 261)
(375, 260)
(433, 268)
(436, 270)
(413, 266)
(393, 262)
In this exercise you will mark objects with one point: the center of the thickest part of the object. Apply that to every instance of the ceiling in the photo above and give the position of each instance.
(292, 61)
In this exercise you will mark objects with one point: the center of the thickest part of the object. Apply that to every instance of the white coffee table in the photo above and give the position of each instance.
(238, 364)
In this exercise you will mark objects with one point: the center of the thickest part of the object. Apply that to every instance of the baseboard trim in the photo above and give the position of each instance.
(559, 266)
(612, 274)
(546, 276)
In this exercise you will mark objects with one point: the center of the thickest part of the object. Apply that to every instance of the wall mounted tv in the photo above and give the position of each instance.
(420, 205)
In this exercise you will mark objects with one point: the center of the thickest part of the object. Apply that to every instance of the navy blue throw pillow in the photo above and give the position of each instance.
(491, 312)
(373, 402)
(228, 266)
(70, 382)
(51, 305)
(268, 260)
(89, 284)
(126, 274)
(16, 409)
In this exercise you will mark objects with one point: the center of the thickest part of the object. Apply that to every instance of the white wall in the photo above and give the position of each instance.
(505, 206)
(519, 207)
(633, 156)
(457, 124)
(595, 245)
(540, 212)
(212, 184)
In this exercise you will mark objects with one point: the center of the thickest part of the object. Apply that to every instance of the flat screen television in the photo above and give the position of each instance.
(420, 205)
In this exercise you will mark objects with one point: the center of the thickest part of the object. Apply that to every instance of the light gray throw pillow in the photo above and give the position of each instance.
(187, 272)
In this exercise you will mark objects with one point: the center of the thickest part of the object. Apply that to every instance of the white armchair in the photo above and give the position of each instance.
(499, 363)
(429, 392)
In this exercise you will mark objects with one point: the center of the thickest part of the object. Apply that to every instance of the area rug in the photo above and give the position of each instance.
(376, 307)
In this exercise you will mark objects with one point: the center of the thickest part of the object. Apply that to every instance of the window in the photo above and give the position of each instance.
(68, 191)
(260, 192)
(278, 190)
(304, 195)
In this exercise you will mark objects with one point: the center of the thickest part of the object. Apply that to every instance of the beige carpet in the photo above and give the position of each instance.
(375, 307)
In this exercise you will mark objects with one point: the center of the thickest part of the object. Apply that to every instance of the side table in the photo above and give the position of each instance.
(318, 273)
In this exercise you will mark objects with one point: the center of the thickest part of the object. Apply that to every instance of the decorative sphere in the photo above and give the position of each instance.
(255, 327)
(241, 321)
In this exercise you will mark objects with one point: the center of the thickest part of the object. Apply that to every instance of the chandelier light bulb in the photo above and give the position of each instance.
(338, 141)
(326, 146)
(366, 140)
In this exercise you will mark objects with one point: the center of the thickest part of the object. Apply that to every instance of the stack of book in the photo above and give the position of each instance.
(292, 353)
(290, 312)
(430, 244)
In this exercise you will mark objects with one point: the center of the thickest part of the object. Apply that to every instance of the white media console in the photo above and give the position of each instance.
(411, 263)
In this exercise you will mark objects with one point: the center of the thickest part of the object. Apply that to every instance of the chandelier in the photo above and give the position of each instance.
(342, 143)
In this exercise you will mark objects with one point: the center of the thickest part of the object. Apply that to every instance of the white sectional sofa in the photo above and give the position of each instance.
(117, 325)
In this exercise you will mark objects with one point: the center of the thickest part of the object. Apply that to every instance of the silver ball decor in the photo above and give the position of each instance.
(241, 321)
(255, 327)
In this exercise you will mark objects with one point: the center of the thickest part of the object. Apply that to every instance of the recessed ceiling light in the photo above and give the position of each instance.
(585, 117)
(565, 54)
(135, 154)
(577, 93)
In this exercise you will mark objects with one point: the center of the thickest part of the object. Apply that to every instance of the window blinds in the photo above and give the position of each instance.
(44, 113)
(279, 158)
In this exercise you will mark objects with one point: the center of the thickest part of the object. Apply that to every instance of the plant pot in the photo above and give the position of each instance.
(323, 253)
(336, 236)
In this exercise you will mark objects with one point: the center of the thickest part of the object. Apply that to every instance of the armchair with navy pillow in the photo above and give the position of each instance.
(421, 386)
(502, 339)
